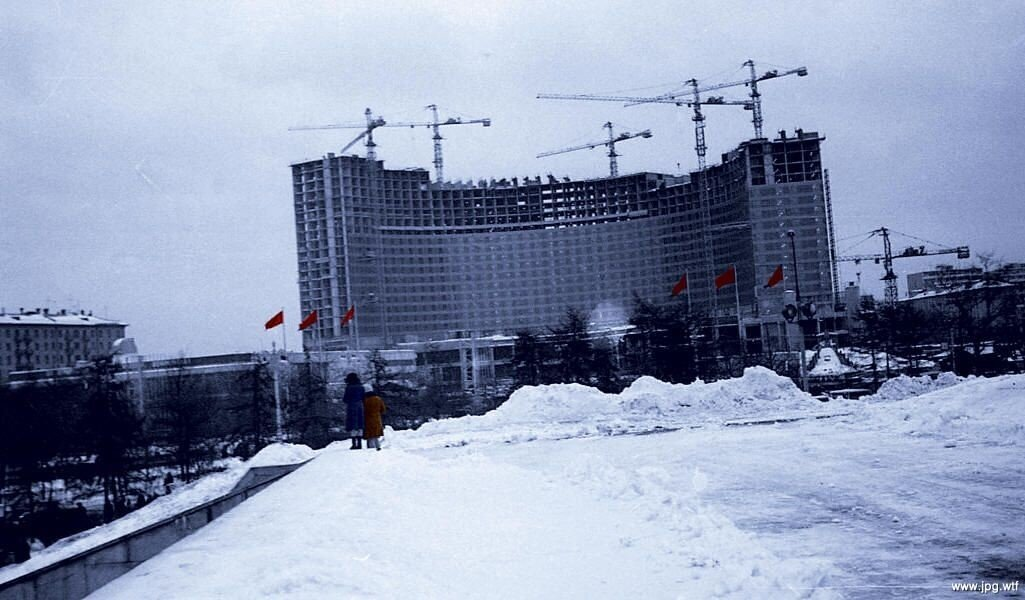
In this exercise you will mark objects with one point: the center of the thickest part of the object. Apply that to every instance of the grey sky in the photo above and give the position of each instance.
(145, 145)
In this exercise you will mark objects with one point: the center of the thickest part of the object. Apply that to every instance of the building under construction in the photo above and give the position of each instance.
(422, 260)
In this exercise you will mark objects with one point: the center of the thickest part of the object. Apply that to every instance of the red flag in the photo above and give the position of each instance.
(309, 320)
(278, 319)
(777, 276)
(349, 315)
(727, 277)
(680, 285)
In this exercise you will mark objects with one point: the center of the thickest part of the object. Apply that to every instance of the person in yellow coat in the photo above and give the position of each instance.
(373, 425)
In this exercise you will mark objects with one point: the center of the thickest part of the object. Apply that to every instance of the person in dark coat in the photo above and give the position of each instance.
(353, 399)
(373, 409)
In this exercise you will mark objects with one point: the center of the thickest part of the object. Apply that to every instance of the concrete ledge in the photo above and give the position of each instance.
(78, 576)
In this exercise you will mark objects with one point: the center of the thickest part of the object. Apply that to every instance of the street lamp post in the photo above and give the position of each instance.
(797, 296)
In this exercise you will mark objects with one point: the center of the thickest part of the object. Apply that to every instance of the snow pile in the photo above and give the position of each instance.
(979, 410)
(281, 454)
(573, 410)
(903, 387)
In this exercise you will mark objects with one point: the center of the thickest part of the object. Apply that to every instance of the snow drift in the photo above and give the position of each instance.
(977, 410)
(903, 386)
(574, 410)
(281, 454)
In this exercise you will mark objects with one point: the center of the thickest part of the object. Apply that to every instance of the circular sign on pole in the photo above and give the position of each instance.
(790, 312)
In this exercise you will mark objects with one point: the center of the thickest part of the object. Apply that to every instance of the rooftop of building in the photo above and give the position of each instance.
(512, 182)
(46, 317)
(959, 289)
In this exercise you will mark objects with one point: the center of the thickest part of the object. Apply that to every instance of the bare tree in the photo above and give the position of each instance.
(255, 408)
(308, 415)
(113, 425)
(184, 415)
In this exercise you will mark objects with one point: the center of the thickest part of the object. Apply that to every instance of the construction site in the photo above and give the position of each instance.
(748, 242)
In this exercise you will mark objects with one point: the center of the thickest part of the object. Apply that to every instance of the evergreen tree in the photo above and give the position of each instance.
(573, 353)
(529, 358)
(667, 344)
(576, 359)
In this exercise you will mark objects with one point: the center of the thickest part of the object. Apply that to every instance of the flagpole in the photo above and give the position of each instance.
(687, 275)
(736, 294)
(320, 346)
(284, 329)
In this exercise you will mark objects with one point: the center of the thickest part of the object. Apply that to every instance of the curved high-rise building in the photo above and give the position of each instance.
(422, 260)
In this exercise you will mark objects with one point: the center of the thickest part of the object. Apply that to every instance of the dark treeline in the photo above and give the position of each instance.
(978, 330)
(92, 439)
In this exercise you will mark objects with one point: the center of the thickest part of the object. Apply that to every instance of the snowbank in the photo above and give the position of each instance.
(281, 454)
(978, 410)
(572, 410)
(903, 387)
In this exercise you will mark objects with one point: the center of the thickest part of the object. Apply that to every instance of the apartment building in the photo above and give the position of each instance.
(41, 339)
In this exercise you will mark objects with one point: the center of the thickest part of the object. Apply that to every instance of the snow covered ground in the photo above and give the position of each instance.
(567, 492)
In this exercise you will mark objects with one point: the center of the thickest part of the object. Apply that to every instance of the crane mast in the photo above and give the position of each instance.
(613, 165)
(699, 125)
(438, 162)
(371, 125)
(756, 100)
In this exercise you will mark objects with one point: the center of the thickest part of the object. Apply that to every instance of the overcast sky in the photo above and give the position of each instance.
(146, 151)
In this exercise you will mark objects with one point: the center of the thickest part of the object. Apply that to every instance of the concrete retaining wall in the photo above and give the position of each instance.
(78, 576)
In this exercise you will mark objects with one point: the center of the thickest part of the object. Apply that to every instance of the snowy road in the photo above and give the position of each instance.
(896, 499)
(899, 516)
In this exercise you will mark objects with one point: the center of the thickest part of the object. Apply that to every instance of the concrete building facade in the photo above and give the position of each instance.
(41, 339)
(948, 277)
(423, 260)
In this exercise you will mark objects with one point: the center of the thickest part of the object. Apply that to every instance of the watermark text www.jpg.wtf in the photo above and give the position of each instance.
(985, 587)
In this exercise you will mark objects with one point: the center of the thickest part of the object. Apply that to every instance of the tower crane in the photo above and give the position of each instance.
(887, 258)
(609, 143)
(373, 123)
(695, 102)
